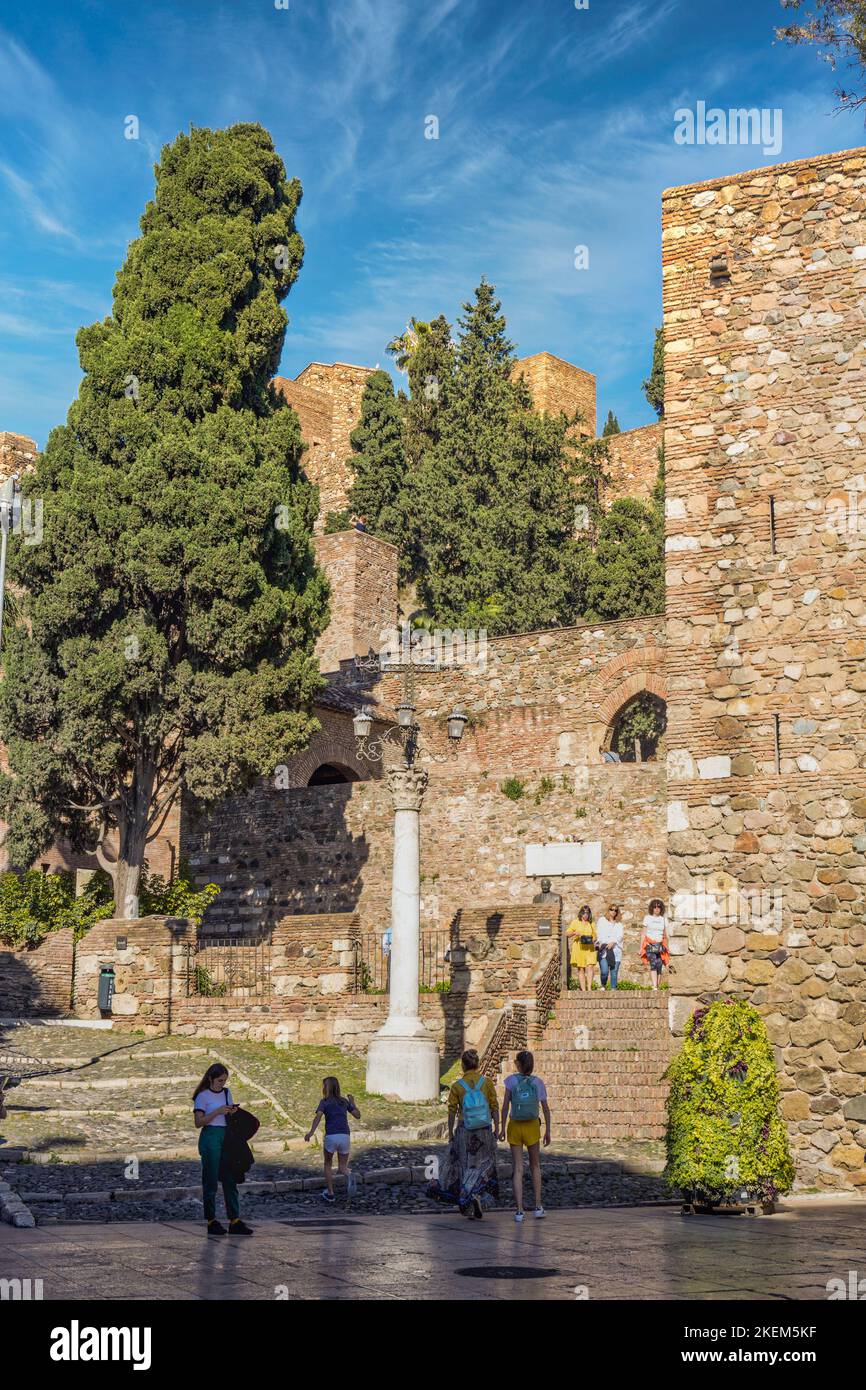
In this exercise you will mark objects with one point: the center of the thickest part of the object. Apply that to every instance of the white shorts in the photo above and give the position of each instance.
(337, 1143)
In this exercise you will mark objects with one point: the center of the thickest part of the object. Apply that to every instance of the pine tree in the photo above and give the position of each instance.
(378, 462)
(654, 386)
(172, 609)
(611, 425)
(493, 493)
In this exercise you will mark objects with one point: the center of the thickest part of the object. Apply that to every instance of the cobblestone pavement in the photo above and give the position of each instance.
(641, 1253)
(99, 1130)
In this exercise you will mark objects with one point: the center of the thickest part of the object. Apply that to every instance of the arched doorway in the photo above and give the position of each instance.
(642, 721)
(332, 774)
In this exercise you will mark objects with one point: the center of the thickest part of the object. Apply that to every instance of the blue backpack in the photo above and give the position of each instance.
(524, 1099)
(476, 1111)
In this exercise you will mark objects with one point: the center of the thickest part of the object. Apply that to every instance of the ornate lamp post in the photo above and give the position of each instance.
(403, 1058)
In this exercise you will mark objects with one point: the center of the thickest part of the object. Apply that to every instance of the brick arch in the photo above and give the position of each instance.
(334, 743)
(626, 675)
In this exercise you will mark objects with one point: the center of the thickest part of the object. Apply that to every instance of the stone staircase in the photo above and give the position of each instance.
(602, 1058)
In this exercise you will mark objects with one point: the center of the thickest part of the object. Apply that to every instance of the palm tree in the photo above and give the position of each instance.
(404, 347)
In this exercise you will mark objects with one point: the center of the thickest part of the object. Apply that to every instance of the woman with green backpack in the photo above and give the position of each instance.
(525, 1094)
(468, 1178)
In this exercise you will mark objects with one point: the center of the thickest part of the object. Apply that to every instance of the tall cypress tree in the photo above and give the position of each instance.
(654, 386)
(611, 425)
(172, 609)
(378, 461)
(493, 495)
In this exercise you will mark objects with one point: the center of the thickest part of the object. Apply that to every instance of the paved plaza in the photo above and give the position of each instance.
(639, 1253)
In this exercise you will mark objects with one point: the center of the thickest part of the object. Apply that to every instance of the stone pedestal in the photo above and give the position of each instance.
(403, 1059)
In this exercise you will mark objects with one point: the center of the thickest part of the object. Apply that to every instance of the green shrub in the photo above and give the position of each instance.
(724, 1134)
(546, 787)
(205, 986)
(33, 904)
(337, 521)
(175, 898)
(513, 788)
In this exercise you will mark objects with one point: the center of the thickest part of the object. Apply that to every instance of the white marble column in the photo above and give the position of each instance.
(403, 1058)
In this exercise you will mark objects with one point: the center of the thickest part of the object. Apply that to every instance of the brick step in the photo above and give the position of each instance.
(606, 1133)
(586, 1064)
(604, 1037)
(606, 1085)
(625, 1110)
(573, 1042)
(612, 999)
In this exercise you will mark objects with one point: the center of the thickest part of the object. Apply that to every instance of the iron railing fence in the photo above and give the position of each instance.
(372, 969)
(237, 967)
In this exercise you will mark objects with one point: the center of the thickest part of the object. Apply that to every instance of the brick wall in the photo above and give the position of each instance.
(538, 714)
(150, 971)
(363, 573)
(37, 982)
(17, 453)
(765, 412)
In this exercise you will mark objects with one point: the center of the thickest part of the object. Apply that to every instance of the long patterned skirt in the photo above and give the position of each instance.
(468, 1171)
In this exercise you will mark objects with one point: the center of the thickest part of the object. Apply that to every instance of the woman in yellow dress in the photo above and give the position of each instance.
(583, 957)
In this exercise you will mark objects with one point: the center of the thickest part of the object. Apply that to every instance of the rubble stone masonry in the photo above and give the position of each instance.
(634, 459)
(765, 412)
(327, 399)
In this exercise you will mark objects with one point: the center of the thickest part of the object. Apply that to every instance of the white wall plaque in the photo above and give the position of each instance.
(556, 859)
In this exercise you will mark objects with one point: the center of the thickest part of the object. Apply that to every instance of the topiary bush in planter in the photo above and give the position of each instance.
(725, 1136)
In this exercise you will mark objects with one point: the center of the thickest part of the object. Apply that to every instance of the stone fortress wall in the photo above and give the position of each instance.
(762, 660)
(765, 427)
(538, 711)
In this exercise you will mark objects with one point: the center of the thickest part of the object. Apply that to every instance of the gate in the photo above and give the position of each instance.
(236, 967)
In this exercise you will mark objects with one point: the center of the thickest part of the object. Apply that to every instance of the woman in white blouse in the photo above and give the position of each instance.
(610, 936)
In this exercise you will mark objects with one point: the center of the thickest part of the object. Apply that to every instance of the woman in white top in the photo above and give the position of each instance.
(654, 942)
(610, 937)
(211, 1102)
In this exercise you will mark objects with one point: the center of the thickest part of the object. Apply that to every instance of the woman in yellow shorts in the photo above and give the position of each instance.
(524, 1095)
(582, 934)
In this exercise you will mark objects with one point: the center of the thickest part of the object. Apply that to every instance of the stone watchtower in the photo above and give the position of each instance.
(327, 400)
(765, 431)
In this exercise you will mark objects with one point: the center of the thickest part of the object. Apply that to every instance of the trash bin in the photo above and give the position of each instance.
(106, 988)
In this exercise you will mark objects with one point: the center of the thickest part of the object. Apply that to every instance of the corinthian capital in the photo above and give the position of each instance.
(408, 785)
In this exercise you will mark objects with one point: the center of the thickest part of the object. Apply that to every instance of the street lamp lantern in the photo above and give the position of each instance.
(457, 721)
(363, 723)
(406, 714)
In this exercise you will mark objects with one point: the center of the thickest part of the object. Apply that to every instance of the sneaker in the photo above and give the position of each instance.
(518, 1216)
(239, 1228)
(328, 1196)
(540, 1213)
(215, 1228)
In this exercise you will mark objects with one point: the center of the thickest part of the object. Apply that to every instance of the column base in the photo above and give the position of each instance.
(404, 1065)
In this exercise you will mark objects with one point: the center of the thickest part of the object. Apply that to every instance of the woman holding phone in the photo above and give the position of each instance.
(211, 1102)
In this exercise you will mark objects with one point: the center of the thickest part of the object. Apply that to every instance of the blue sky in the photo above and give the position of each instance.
(555, 130)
